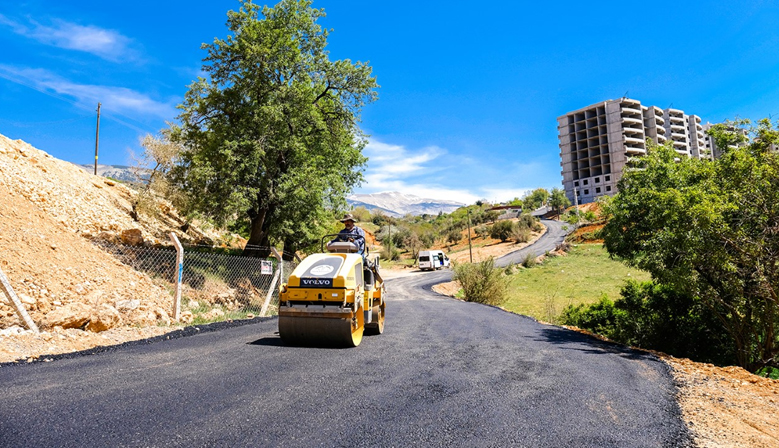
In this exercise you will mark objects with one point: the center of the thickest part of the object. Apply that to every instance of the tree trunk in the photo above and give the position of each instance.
(259, 238)
(289, 250)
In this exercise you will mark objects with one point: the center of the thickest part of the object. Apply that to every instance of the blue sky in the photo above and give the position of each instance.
(469, 92)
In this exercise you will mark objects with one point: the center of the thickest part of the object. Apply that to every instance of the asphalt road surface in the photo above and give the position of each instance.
(445, 373)
(555, 234)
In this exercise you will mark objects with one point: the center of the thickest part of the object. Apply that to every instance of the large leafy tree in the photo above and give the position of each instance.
(271, 137)
(710, 229)
(558, 200)
(535, 199)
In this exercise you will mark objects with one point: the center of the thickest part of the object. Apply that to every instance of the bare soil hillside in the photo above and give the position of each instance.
(50, 210)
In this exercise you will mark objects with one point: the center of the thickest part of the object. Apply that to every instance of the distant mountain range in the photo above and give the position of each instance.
(390, 203)
(399, 204)
(122, 173)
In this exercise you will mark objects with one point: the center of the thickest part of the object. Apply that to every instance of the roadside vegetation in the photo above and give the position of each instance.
(583, 276)
(706, 231)
(482, 282)
(399, 239)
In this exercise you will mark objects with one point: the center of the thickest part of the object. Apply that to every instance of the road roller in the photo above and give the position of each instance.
(333, 298)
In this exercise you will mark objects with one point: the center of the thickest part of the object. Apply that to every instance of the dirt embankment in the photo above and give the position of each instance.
(49, 212)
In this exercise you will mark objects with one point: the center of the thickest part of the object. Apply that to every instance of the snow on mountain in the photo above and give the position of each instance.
(119, 172)
(398, 204)
(390, 203)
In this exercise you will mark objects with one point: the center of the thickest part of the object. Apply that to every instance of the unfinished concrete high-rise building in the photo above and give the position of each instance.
(597, 142)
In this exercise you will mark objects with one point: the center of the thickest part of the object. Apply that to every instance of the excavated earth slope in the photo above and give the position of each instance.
(50, 211)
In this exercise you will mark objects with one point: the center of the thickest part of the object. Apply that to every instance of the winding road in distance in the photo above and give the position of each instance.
(445, 373)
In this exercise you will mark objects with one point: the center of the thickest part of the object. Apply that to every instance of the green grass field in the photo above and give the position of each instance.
(583, 276)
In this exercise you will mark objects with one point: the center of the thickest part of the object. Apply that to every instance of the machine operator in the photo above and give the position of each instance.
(352, 233)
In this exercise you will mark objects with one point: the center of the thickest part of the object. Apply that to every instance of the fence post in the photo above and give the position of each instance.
(278, 275)
(179, 276)
(281, 262)
(17, 304)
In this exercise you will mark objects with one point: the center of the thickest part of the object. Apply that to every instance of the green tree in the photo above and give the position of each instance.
(730, 134)
(454, 236)
(558, 200)
(490, 215)
(516, 202)
(502, 230)
(362, 214)
(413, 243)
(535, 199)
(272, 135)
(709, 229)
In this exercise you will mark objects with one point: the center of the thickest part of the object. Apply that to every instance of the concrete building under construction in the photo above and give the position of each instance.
(598, 141)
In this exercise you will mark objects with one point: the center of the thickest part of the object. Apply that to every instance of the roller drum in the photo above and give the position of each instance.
(318, 331)
(377, 325)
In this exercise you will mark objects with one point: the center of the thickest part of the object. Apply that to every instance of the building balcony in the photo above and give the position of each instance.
(634, 131)
(631, 120)
(629, 110)
(632, 140)
(635, 152)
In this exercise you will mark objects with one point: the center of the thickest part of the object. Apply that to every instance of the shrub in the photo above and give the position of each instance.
(530, 260)
(520, 234)
(502, 230)
(482, 282)
(527, 221)
(362, 214)
(570, 218)
(482, 231)
(657, 317)
(388, 253)
(379, 219)
(428, 238)
(454, 236)
(599, 317)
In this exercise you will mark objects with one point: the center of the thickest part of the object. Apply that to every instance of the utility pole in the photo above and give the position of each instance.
(470, 250)
(97, 136)
(389, 251)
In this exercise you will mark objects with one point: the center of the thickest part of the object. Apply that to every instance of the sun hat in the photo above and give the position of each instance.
(348, 217)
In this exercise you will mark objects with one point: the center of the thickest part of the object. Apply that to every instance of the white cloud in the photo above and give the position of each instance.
(503, 194)
(118, 99)
(432, 172)
(107, 44)
(393, 161)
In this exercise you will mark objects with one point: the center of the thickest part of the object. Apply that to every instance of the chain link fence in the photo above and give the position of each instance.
(216, 284)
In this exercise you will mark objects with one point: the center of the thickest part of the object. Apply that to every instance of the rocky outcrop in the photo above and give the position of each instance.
(72, 315)
(102, 318)
(132, 237)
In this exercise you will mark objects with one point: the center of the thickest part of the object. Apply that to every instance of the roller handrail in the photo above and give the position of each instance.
(347, 238)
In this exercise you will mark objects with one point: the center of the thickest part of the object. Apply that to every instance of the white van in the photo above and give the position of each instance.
(432, 260)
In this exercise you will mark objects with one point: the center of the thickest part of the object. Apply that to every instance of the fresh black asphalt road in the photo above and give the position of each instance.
(445, 373)
(555, 234)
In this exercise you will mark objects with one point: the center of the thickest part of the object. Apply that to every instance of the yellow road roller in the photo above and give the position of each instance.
(333, 298)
